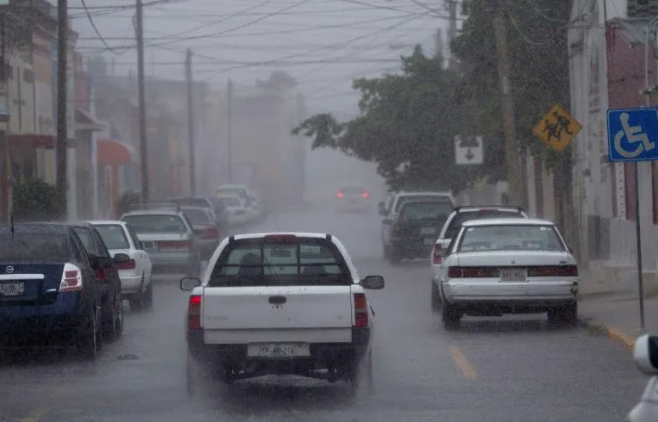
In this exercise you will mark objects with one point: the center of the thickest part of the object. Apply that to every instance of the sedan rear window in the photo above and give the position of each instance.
(231, 201)
(197, 216)
(33, 248)
(156, 223)
(192, 202)
(464, 216)
(113, 235)
(437, 198)
(510, 238)
(307, 262)
(425, 211)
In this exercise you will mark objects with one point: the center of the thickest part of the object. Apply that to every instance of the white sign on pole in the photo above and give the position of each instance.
(469, 150)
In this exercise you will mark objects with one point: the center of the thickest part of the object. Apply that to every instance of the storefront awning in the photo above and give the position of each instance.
(33, 141)
(115, 153)
(84, 120)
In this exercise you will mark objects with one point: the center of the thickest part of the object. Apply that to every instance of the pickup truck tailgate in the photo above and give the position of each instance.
(246, 308)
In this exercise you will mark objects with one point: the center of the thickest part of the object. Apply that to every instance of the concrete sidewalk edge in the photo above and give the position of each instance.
(615, 334)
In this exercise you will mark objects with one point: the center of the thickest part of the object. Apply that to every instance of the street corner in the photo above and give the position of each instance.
(623, 337)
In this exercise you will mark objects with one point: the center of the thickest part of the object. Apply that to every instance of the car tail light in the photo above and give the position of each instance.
(339, 194)
(71, 278)
(360, 310)
(473, 272)
(129, 265)
(365, 195)
(194, 312)
(280, 238)
(101, 274)
(210, 233)
(437, 254)
(554, 271)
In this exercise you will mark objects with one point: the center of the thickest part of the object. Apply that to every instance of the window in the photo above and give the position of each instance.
(156, 223)
(133, 237)
(306, 262)
(88, 240)
(510, 238)
(28, 76)
(425, 211)
(404, 199)
(464, 216)
(113, 236)
(33, 248)
(197, 216)
(231, 201)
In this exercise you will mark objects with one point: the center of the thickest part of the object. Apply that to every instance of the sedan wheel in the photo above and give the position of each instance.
(450, 316)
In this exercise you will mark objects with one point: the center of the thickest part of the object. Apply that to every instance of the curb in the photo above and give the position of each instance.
(613, 334)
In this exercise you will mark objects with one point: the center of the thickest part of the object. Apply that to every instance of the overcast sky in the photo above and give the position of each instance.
(323, 43)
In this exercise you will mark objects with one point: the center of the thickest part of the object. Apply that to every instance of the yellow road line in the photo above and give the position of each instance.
(463, 363)
(34, 416)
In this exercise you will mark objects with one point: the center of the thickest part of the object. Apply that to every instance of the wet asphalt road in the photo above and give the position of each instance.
(500, 370)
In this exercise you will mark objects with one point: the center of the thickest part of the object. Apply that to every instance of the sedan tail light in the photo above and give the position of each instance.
(210, 233)
(473, 272)
(339, 195)
(553, 271)
(365, 195)
(437, 254)
(128, 265)
(71, 278)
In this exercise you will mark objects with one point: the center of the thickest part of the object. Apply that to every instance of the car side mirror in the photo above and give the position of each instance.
(373, 282)
(387, 221)
(121, 258)
(187, 284)
(645, 354)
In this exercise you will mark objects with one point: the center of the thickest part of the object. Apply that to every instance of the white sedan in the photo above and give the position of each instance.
(507, 266)
(135, 274)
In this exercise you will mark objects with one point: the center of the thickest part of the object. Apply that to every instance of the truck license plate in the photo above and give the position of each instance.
(512, 275)
(278, 350)
(12, 289)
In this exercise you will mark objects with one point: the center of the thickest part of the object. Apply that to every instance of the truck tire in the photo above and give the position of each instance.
(436, 298)
(361, 377)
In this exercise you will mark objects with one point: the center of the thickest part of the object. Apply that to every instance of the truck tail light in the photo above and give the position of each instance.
(194, 312)
(360, 310)
(71, 278)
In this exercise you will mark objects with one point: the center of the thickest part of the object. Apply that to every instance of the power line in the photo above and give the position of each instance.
(93, 25)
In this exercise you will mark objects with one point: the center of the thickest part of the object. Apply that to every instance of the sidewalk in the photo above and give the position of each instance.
(618, 316)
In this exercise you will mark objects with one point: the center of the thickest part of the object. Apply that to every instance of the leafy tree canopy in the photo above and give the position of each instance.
(406, 125)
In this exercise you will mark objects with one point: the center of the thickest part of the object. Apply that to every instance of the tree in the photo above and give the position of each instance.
(406, 125)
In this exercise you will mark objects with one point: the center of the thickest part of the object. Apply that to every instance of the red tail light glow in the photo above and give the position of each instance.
(473, 272)
(129, 265)
(339, 194)
(360, 310)
(194, 312)
(210, 233)
(365, 195)
(436, 257)
(554, 271)
(101, 274)
(71, 278)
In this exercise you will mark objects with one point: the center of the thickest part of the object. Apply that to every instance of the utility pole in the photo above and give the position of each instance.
(190, 120)
(452, 30)
(62, 79)
(229, 129)
(4, 117)
(143, 151)
(511, 151)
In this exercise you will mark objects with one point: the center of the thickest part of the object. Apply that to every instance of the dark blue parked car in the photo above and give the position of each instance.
(49, 293)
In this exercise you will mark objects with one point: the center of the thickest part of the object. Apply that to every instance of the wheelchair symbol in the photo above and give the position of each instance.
(634, 135)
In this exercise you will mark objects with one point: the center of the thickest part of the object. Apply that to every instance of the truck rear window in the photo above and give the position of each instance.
(306, 262)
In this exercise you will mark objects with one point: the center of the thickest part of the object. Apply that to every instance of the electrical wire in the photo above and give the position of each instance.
(93, 25)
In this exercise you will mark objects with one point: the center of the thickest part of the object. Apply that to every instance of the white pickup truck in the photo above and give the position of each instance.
(279, 304)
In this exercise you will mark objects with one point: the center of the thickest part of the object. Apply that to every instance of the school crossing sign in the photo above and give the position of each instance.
(557, 129)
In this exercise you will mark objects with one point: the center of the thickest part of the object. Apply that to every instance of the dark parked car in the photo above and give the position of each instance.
(49, 293)
(107, 276)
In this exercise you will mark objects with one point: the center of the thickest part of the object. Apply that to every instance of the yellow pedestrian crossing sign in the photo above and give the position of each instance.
(557, 129)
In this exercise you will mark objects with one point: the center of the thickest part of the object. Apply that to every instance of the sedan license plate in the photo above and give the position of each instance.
(513, 275)
(278, 350)
(12, 289)
(429, 241)
(427, 230)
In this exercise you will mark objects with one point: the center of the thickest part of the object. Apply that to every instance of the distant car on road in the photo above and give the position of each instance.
(353, 197)
(507, 266)
(107, 274)
(136, 272)
(204, 227)
(236, 209)
(168, 237)
(49, 293)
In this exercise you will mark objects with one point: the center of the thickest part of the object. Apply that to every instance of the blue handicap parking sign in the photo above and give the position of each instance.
(633, 134)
